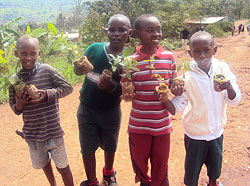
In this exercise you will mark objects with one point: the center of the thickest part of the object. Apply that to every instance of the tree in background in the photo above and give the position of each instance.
(74, 19)
(61, 22)
(171, 13)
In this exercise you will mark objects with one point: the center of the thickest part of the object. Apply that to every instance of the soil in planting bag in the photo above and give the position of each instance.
(218, 79)
(83, 61)
(163, 90)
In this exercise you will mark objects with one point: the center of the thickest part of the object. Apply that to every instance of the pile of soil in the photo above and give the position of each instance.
(16, 169)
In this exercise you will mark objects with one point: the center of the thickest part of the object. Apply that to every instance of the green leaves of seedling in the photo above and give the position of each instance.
(184, 65)
(128, 63)
(128, 52)
(151, 66)
(14, 79)
(158, 77)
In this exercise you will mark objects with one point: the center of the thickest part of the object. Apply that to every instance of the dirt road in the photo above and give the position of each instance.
(15, 167)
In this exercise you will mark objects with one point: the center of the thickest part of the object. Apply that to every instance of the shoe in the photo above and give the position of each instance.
(144, 184)
(109, 180)
(85, 183)
(219, 184)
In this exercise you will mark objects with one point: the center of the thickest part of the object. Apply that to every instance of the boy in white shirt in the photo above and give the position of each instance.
(204, 109)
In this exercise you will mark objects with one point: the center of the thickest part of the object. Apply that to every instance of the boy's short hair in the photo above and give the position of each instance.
(25, 37)
(201, 34)
(138, 21)
(122, 16)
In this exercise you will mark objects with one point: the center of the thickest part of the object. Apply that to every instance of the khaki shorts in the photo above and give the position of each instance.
(41, 152)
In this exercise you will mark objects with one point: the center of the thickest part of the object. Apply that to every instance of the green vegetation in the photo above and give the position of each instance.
(50, 20)
(33, 10)
(171, 13)
(50, 41)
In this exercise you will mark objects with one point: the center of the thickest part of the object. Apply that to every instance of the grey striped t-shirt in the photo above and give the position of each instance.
(42, 121)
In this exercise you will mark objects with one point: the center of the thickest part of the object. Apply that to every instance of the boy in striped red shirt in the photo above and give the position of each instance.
(150, 124)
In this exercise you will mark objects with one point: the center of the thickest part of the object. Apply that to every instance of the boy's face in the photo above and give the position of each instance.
(28, 52)
(118, 31)
(149, 33)
(202, 50)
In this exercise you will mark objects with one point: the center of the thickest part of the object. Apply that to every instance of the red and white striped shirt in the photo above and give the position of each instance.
(148, 115)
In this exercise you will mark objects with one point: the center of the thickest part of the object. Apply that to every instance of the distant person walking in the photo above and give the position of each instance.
(233, 30)
(239, 28)
(185, 35)
(248, 29)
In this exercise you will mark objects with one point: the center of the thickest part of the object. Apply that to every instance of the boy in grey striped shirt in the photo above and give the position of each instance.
(41, 129)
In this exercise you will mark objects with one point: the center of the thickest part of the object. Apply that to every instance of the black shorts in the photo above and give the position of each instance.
(199, 152)
(98, 128)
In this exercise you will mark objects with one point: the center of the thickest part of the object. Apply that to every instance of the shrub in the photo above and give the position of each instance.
(215, 30)
(171, 44)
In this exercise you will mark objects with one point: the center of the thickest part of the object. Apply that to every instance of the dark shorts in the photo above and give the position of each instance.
(199, 152)
(98, 128)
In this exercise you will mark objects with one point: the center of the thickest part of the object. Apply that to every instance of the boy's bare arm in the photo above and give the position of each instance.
(165, 101)
(127, 97)
(169, 106)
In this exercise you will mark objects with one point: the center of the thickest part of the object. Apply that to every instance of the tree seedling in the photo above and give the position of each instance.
(128, 65)
(20, 87)
(163, 88)
(184, 66)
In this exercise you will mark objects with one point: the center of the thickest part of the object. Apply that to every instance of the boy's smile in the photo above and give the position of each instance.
(149, 33)
(28, 52)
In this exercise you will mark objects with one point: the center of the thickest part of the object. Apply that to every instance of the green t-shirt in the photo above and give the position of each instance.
(90, 94)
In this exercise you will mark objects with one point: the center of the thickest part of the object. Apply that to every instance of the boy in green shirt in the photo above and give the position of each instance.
(99, 113)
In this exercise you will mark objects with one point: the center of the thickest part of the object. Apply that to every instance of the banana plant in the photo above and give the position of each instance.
(48, 39)
(8, 35)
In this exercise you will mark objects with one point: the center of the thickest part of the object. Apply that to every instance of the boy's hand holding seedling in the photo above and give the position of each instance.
(25, 98)
(41, 99)
(164, 99)
(21, 100)
(221, 83)
(162, 95)
(177, 89)
(105, 83)
(177, 84)
(223, 86)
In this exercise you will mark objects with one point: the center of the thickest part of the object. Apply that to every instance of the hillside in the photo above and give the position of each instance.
(33, 10)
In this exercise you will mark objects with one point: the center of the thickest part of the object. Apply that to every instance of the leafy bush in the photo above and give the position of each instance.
(215, 30)
(65, 68)
(171, 44)
(226, 26)
(220, 29)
